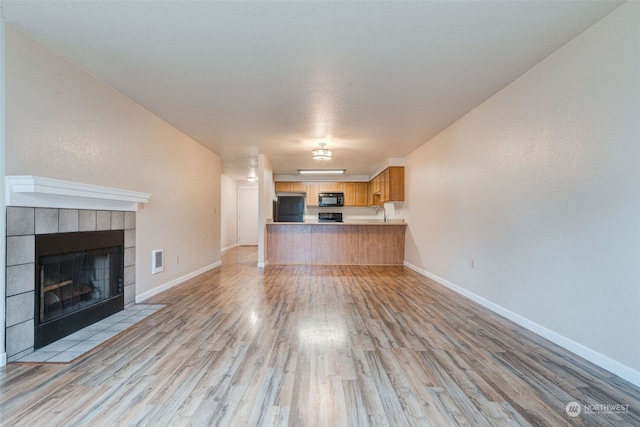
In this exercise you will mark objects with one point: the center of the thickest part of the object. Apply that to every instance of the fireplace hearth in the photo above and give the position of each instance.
(79, 281)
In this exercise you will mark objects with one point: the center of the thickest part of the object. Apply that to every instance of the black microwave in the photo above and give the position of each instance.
(330, 199)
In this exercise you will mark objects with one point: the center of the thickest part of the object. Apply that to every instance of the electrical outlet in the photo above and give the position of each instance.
(178, 259)
(473, 263)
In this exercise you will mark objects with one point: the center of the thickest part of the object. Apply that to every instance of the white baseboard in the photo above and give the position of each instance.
(3, 359)
(229, 247)
(591, 355)
(155, 291)
(262, 264)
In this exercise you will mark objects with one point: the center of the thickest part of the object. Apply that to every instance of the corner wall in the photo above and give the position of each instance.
(539, 187)
(63, 123)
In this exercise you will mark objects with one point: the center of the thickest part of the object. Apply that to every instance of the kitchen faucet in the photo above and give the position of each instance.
(384, 213)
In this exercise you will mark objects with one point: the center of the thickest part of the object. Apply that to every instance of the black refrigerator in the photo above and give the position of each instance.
(290, 209)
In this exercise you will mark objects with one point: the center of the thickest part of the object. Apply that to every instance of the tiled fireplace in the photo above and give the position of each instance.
(106, 281)
(24, 224)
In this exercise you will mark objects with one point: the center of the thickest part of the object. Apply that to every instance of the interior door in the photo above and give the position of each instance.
(247, 216)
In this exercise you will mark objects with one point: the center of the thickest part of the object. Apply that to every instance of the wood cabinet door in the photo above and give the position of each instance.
(361, 193)
(330, 187)
(396, 183)
(384, 186)
(290, 187)
(375, 191)
(312, 193)
(349, 189)
(337, 187)
(297, 187)
(324, 187)
(375, 188)
(283, 187)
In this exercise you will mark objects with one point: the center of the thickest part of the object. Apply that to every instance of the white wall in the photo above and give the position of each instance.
(540, 185)
(3, 222)
(229, 212)
(63, 123)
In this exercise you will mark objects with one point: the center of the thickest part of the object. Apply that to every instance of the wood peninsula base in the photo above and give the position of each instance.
(336, 243)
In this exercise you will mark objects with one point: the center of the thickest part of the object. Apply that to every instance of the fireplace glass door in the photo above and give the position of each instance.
(79, 281)
(72, 282)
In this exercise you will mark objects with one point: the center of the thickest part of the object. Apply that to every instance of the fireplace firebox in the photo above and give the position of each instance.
(79, 281)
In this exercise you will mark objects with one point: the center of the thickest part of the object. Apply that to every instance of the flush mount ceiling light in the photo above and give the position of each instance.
(321, 153)
(321, 171)
(252, 178)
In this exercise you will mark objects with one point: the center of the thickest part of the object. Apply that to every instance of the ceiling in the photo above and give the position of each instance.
(375, 80)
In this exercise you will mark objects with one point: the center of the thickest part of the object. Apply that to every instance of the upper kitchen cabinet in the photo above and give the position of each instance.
(313, 188)
(387, 186)
(362, 189)
(312, 193)
(290, 187)
(331, 187)
(355, 194)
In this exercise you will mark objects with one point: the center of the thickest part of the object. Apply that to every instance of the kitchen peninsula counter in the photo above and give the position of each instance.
(336, 243)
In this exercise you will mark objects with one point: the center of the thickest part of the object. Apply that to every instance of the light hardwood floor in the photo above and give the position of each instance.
(315, 346)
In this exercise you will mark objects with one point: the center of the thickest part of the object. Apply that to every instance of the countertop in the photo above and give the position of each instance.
(348, 222)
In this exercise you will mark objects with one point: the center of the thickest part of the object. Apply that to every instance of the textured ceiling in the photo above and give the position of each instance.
(374, 79)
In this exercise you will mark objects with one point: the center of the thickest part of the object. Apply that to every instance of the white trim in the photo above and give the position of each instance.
(3, 359)
(605, 362)
(36, 191)
(229, 247)
(262, 264)
(158, 289)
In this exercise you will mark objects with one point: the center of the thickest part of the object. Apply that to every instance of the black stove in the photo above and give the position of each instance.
(330, 217)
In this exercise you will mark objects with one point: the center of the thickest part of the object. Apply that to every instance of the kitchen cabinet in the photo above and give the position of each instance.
(313, 188)
(375, 198)
(331, 187)
(361, 189)
(395, 184)
(289, 187)
(312, 193)
(355, 194)
(349, 193)
(387, 186)
(384, 186)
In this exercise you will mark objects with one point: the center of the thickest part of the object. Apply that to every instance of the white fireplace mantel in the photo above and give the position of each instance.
(40, 192)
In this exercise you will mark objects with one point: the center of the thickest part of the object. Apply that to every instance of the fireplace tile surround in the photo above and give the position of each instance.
(23, 224)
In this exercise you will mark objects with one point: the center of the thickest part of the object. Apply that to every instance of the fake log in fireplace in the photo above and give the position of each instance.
(79, 281)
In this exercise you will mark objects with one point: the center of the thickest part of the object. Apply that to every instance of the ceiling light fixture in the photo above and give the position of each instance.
(252, 178)
(321, 153)
(321, 171)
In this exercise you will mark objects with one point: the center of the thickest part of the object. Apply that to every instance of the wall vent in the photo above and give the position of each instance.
(157, 261)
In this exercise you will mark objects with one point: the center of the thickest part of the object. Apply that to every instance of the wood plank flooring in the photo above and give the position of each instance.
(315, 346)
